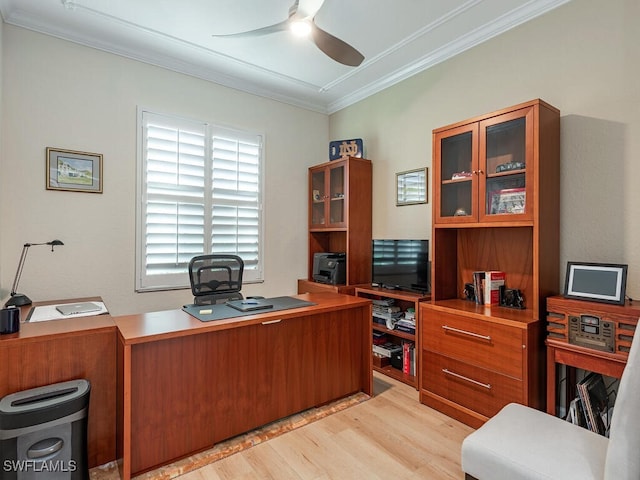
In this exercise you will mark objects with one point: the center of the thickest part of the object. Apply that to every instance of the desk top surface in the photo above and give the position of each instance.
(147, 327)
(70, 326)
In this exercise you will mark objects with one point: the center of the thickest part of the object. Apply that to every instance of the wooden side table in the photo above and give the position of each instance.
(561, 350)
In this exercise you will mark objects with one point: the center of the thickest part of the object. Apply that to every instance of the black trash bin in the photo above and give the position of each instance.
(43, 432)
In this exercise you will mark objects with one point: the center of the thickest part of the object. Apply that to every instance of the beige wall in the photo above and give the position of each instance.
(59, 94)
(582, 58)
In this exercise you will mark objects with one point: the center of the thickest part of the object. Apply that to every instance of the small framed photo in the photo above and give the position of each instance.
(411, 187)
(597, 282)
(508, 200)
(74, 171)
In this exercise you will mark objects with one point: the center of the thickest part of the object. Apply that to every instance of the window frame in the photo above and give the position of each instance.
(173, 281)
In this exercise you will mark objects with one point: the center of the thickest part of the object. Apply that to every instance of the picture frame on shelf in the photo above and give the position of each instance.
(411, 187)
(73, 171)
(596, 282)
(508, 200)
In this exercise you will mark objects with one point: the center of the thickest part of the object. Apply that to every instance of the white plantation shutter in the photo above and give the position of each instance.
(200, 192)
(235, 215)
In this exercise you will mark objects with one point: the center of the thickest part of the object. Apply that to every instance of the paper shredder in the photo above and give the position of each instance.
(43, 432)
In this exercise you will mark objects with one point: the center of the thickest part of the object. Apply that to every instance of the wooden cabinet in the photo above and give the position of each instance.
(496, 207)
(404, 301)
(47, 352)
(474, 363)
(486, 168)
(340, 217)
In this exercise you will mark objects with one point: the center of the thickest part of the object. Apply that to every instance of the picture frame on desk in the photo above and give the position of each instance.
(73, 171)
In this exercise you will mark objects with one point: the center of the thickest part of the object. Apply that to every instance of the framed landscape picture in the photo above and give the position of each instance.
(74, 171)
(411, 187)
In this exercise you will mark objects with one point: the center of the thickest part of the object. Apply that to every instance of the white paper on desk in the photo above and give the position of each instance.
(49, 312)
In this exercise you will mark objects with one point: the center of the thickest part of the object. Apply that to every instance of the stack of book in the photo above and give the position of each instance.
(590, 409)
(487, 286)
(406, 325)
(386, 313)
(379, 338)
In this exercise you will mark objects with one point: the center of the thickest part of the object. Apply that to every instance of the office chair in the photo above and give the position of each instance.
(215, 277)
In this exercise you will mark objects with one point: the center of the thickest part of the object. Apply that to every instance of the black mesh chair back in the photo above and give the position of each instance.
(215, 277)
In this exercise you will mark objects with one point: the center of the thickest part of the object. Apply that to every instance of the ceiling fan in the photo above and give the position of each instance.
(302, 20)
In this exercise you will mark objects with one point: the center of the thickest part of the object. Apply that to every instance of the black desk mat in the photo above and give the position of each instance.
(208, 313)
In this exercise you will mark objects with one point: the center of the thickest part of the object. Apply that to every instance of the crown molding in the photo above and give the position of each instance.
(473, 38)
(274, 85)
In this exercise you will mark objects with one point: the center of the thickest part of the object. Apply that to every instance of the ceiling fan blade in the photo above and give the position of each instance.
(276, 27)
(308, 8)
(335, 48)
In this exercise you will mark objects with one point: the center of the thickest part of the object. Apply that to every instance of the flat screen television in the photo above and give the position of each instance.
(401, 264)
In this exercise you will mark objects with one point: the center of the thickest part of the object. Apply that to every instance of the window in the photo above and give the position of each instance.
(199, 191)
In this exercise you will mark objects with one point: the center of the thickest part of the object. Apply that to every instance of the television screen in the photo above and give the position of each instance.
(401, 264)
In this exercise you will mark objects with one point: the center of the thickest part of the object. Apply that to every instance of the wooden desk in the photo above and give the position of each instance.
(185, 385)
(560, 351)
(42, 353)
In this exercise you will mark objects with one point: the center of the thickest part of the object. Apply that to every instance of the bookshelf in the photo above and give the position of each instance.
(404, 301)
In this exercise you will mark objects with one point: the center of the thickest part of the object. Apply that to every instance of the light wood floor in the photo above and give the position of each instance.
(390, 436)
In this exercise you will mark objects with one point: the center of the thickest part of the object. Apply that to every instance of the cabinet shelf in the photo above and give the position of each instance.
(506, 174)
(396, 333)
(404, 300)
(396, 374)
(456, 180)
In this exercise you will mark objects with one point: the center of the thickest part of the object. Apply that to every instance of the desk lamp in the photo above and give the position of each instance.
(20, 299)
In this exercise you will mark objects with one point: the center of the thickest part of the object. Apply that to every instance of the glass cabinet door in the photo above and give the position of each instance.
(336, 195)
(328, 196)
(456, 174)
(318, 195)
(504, 159)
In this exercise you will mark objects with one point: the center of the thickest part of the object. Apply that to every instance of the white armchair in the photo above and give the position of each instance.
(523, 443)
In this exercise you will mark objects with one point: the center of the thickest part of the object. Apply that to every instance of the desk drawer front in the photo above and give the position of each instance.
(485, 344)
(475, 388)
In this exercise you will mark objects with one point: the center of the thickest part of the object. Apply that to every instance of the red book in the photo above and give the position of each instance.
(492, 282)
(406, 358)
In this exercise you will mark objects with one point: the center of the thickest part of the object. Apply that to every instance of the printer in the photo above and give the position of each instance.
(330, 268)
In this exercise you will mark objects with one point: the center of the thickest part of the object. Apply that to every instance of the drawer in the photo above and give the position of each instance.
(480, 390)
(485, 344)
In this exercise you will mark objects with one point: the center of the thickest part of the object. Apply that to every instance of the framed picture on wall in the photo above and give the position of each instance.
(73, 171)
(411, 187)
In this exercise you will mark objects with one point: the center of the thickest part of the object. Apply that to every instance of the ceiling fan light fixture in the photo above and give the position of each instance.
(300, 28)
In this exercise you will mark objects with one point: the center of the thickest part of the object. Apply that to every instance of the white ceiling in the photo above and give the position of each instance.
(398, 38)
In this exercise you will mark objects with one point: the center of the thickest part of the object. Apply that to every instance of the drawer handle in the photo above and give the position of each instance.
(464, 332)
(269, 322)
(467, 379)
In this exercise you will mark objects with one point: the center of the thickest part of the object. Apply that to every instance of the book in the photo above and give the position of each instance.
(595, 402)
(493, 280)
(478, 285)
(380, 338)
(408, 358)
(405, 328)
